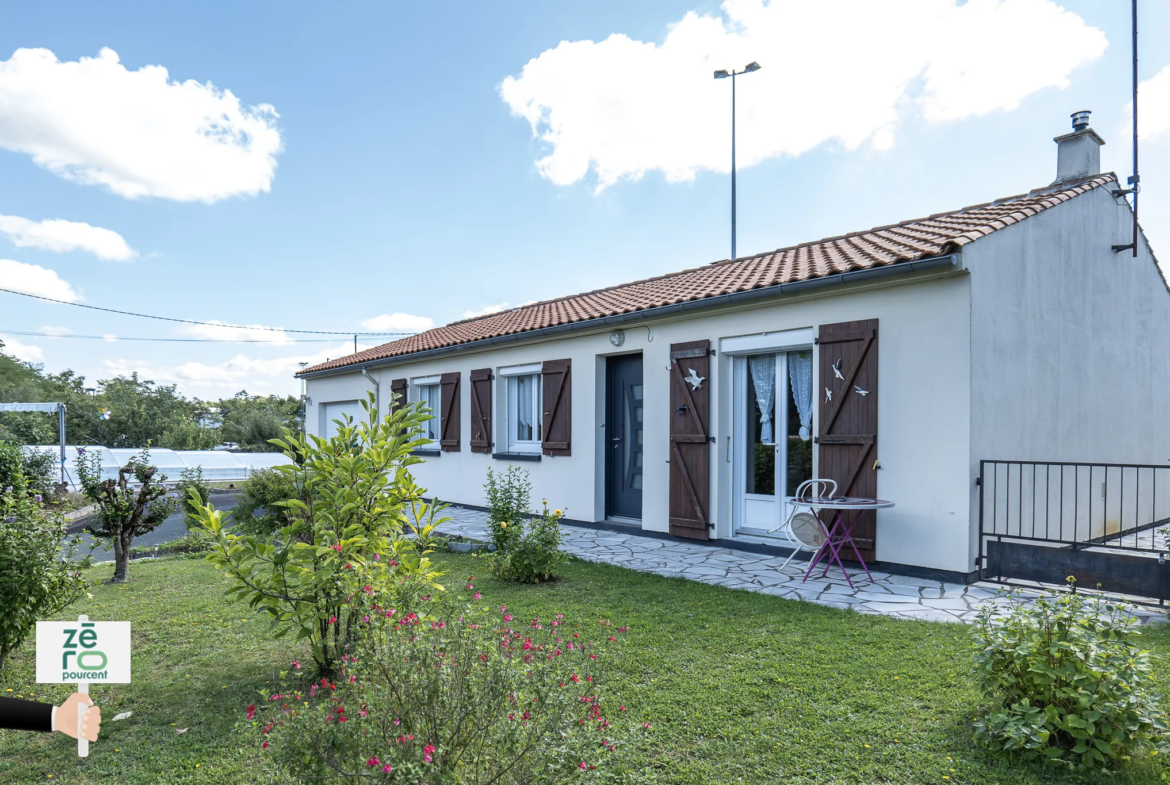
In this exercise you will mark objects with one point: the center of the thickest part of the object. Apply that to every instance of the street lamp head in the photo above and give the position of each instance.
(721, 74)
(90, 390)
(752, 66)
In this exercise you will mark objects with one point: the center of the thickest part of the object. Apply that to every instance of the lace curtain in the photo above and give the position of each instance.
(763, 371)
(800, 375)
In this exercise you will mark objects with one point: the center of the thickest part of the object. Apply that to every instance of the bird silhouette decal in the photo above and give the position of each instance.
(828, 395)
(860, 391)
(837, 369)
(694, 379)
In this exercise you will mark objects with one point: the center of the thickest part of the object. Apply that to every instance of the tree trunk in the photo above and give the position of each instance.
(121, 559)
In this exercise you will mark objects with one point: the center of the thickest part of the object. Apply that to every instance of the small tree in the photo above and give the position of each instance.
(344, 548)
(191, 482)
(35, 581)
(508, 495)
(124, 512)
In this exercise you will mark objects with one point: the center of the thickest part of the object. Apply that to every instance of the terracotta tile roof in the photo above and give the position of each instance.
(909, 241)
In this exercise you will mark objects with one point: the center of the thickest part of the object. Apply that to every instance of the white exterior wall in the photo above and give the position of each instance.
(923, 415)
(1070, 342)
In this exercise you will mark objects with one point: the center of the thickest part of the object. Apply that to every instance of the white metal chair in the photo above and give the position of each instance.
(802, 529)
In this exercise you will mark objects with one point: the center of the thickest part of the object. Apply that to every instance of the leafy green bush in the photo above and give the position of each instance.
(454, 696)
(1066, 683)
(508, 497)
(344, 546)
(11, 466)
(258, 509)
(125, 511)
(533, 551)
(35, 581)
(191, 486)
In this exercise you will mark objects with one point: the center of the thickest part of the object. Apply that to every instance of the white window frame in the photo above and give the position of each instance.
(511, 390)
(422, 387)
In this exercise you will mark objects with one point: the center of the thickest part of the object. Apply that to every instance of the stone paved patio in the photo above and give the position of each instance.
(889, 595)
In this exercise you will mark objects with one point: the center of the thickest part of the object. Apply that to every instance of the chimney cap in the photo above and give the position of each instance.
(1080, 120)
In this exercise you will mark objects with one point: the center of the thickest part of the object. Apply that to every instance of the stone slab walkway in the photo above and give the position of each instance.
(888, 595)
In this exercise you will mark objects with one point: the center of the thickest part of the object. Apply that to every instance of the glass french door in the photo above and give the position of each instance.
(772, 451)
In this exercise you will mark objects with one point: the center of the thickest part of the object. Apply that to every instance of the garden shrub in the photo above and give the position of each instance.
(11, 466)
(455, 695)
(344, 546)
(41, 470)
(125, 511)
(508, 497)
(258, 509)
(35, 581)
(191, 486)
(533, 551)
(1066, 682)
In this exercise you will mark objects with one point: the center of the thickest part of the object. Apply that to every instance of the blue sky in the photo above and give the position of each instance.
(397, 172)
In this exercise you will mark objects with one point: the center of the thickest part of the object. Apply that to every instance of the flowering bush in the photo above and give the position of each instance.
(534, 549)
(343, 548)
(508, 497)
(1066, 682)
(454, 695)
(124, 511)
(35, 581)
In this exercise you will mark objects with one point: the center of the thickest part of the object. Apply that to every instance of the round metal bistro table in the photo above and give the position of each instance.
(839, 533)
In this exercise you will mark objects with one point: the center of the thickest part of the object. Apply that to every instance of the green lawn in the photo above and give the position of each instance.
(739, 687)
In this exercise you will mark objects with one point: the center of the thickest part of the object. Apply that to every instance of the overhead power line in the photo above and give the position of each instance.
(26, 333)
(192, 321)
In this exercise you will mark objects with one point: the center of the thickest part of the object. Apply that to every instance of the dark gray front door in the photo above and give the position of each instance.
(623, 436)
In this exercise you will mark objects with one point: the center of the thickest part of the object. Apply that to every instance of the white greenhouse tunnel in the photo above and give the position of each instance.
(217, 465)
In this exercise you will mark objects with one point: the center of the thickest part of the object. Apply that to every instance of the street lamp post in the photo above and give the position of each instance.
(721, 74)
(93, 397)
(304, 391)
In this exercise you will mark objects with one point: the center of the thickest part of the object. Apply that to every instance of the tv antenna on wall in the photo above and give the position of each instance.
(1134, 181)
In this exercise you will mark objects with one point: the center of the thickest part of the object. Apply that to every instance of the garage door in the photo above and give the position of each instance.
(337, 411)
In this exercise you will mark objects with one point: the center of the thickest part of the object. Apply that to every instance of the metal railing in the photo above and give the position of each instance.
(1080, 504)
(1043, 520)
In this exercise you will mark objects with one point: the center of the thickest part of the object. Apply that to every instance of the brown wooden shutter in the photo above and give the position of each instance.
(398, 394)
(449, 403)
(556, 404)
(849, 422)
(690, 451)
(481, 410)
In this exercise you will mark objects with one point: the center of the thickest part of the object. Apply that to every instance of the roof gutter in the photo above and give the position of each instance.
(934, 263)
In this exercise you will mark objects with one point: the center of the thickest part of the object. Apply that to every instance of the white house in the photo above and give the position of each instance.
(892, 360)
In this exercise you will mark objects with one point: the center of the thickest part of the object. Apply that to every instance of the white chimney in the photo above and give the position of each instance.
(1078, 155)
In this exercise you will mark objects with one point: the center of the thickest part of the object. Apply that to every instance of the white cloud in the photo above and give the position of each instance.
(398, 322)
(486, 310)
(60, 235)
(240, 372)
(22, 351)
(34, 279)
(222, 332)
(834, 71)
(1153, 107)
(137, 133)
(49, 329)
(110, 337)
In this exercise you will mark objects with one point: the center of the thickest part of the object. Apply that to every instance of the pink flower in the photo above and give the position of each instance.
(387, 769)
(646, 725)
(296, 664)
(508, 617)
(264, 746)
(337, 548)
(582, 766)
(427, 752)
(373, 762)
(333, 620)
(560, 615)
(503, 608)
(251, 712)
(378, 558)
(477, 596)
(366, 619)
